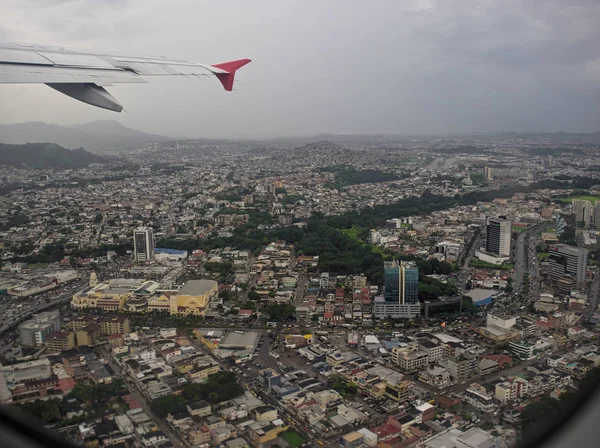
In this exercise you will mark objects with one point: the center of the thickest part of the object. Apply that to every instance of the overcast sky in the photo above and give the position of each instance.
(397, 66)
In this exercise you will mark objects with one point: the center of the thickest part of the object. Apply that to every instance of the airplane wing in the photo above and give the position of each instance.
(81, 74)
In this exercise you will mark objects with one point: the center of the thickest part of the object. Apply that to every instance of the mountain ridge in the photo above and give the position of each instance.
(103, 136)
(47, 155)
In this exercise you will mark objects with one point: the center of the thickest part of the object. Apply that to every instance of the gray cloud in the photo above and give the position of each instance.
(414, 66)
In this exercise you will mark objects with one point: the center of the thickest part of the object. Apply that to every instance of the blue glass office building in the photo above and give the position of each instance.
(392, 282)
(401, 282)
(410, 280)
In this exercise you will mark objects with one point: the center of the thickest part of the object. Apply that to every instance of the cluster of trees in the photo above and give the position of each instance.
(94, 395)
(344, 253)
(292, 198)
(54, 252)
(233, 194)
(348, 175)
(431, 288)
(97, 393)
(221, 386)
(540, 416)
(222, 269)
(341, 386)
(484, 264)
(19, 219)
(48, 411)
(280, 312)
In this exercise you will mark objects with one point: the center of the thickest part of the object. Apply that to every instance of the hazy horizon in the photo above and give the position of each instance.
(419, 67)
(308, 136)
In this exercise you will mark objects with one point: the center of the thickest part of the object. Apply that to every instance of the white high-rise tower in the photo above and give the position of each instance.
(143, 244)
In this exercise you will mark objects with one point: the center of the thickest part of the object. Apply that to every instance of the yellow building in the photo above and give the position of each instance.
(398, 391)
(265, 413)
(89, 335)
(193, 298)
(108, 296)
(58, 341)
(114, 325)
(378, 390)
(262, 432)
(160, 303)
(202, 372)
(108, 325)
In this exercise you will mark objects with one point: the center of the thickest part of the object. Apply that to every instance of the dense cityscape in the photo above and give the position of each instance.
(353, 292)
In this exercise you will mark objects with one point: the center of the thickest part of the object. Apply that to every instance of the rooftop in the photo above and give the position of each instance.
(197, 287)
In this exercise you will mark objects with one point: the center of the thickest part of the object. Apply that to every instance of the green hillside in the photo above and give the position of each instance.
(46, 155)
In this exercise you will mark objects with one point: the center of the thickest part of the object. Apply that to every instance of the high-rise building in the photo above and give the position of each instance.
(401, 293)
(583, 212)
(597, 215)
(567, 261)
(34, 332)
(392, 281)
(143, 244)
(409, 273)
(498, 236)
(487, 172)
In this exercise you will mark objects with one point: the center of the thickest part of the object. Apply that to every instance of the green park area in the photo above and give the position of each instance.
(475, 263)
(292, 438)
(582, 198)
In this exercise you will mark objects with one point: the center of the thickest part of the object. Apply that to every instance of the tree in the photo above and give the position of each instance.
(169, 404)
(487, 425)
(253, 295)
(48, 411)
(280, 312)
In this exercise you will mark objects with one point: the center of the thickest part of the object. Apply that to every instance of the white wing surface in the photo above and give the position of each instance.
(81, 74)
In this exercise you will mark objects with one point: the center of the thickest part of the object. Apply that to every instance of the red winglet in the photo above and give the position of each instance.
(230, 67)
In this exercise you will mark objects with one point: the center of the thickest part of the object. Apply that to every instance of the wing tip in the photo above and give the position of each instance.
(230, 67)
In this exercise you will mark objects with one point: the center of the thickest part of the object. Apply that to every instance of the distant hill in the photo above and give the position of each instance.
(47, 155)
(97, 136)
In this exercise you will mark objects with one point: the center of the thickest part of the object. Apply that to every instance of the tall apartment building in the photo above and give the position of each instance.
(487, 172)
(108, 324)
(597, 215)
(59, 341)
(498, 232)
(34, 332)
(143, 244)
(567, 261)
(88, 335)
(401, 294)
(583, 212)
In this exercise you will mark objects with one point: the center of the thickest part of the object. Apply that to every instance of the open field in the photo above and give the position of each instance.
(585, 198)
(293, 438)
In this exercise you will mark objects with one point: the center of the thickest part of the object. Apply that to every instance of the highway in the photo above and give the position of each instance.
(26, 313)
(465, 270)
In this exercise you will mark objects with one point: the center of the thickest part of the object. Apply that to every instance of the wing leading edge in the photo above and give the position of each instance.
(82, 74)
